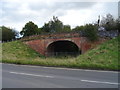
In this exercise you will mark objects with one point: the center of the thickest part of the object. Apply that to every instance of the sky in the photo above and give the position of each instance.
(16, 13)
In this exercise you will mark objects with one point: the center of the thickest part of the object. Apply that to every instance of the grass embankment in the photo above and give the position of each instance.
(104, 57)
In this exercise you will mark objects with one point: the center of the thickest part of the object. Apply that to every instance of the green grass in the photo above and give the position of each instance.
(16, 50)
(104, 57)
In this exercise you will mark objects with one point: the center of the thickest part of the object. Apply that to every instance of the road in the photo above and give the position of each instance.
(23, 76)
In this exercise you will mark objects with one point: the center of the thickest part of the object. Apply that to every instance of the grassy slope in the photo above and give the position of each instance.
(16, 50)
(105, 56)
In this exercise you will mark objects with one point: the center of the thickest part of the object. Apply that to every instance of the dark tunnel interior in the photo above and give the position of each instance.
(63, 48)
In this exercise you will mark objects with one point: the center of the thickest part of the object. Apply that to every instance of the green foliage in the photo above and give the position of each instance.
(118, 24)
(8, 34)
(105, 56)
(109, 22)
(91, 32)
(30, 29)
(0, 33)
(78, 28)
(66, 28)
(46, 28)
(54, 26)
(17, 50)
(88, 30)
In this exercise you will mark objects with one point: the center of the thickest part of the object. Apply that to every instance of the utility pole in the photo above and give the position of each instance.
(98, 20)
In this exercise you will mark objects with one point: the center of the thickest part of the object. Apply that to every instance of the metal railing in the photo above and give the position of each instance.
(62, 53)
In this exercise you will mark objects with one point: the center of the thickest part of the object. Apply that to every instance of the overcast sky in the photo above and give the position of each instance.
(16, 13)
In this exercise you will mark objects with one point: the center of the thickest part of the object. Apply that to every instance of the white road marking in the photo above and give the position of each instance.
(65, 68)
(90, 81)
(81, 69)
(31, 74)
(99, 82)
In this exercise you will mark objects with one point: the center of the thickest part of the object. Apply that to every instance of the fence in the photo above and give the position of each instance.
(62, 53)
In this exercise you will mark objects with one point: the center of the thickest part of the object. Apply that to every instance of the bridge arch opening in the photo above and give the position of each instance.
(63, 48)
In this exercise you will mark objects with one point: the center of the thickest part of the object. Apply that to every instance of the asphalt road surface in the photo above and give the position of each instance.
(23, 76)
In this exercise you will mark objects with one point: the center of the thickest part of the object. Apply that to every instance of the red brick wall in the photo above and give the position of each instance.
(37, 45)
(40, 45)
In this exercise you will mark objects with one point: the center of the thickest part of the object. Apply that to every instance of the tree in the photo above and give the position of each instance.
(108, 22)
(67, 28)
(118, 24)
(8, 34)
(29, 29)
(78, 28)
(91, 32)
(46, 28)
(55, 25)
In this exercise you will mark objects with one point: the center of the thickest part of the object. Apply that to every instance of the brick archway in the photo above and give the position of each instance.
(40, 43)
(62, 47)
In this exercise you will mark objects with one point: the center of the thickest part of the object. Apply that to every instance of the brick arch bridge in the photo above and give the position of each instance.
(49, 44)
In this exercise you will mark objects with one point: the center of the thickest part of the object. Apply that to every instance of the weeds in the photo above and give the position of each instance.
(103, 57)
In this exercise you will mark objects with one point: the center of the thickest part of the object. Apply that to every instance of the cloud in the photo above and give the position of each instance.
(16, 13)
(61, 5)
(82, 16)
(119, 9)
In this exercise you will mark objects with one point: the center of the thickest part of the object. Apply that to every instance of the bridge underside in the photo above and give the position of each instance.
(64, 44)
(63, 48)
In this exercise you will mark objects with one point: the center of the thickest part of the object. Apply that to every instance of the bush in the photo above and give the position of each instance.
(8, 34)
(91, 32)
